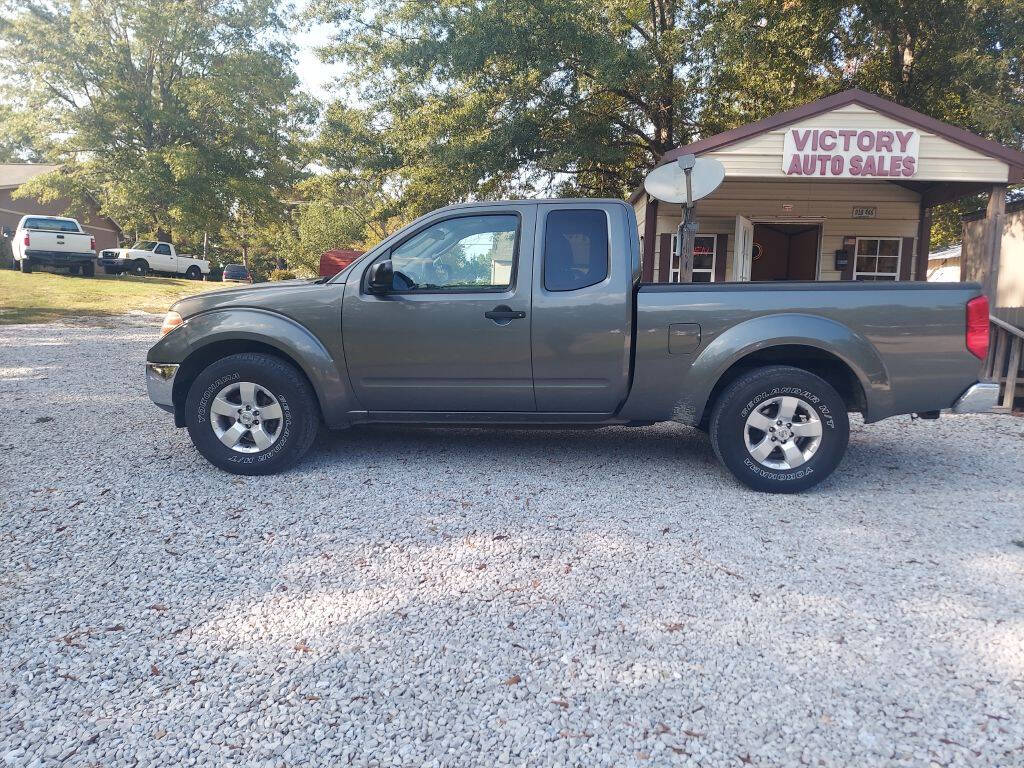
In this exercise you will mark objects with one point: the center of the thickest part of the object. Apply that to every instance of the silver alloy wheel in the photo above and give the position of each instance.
(782, 432)
(246, 417)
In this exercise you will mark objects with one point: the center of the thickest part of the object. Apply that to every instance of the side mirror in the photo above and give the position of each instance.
(382, 277)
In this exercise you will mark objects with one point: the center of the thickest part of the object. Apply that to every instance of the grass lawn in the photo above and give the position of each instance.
(45, 296)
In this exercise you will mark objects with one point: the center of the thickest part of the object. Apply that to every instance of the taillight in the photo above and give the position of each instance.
(977, 326)
(26, 240)
(92, 243)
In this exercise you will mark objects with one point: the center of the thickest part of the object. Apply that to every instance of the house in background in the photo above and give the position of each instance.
(12, 176)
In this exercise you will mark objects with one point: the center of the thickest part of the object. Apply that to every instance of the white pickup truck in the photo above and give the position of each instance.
(153, 256)
(55, 241)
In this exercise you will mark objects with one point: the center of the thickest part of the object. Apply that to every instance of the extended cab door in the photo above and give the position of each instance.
(454, 332)
(586, 266)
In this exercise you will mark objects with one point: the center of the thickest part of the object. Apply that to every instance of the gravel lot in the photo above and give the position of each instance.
(471, 597)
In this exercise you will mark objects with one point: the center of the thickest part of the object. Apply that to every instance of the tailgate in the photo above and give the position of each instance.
(62, 242)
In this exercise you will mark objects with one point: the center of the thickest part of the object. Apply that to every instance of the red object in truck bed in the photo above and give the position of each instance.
(332, 262)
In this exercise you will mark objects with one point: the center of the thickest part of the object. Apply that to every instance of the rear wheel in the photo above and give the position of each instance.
(780, 429)
(88, 269)
(25, 265)
(193, 273)
(140, 268)
(252, 414)
(73, 269)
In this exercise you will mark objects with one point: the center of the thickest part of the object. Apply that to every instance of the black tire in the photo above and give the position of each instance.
(759, 390)
(74, 270)
(140, 268)
(193, 273)
(89, 269)
(299, 423)
(26, 265)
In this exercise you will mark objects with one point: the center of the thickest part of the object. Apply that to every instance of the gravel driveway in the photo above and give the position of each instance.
(471, 597)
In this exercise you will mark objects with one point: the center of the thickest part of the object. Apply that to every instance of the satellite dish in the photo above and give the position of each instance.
(668, 182)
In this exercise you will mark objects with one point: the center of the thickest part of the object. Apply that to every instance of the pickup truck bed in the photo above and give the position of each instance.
(532, 312)
(904, 341)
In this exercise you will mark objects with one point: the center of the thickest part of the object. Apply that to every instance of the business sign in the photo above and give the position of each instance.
(864, 211)
(851, 153)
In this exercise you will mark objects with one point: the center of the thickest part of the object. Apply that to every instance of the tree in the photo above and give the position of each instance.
(503, 97)
(173, 115)
(15, 135)
(491, 98)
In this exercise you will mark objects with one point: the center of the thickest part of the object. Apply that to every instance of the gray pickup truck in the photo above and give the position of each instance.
(533, 313)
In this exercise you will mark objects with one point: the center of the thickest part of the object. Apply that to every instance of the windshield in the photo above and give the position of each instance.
(144, 245)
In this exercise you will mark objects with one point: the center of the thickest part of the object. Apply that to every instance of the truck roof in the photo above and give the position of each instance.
(536, 201)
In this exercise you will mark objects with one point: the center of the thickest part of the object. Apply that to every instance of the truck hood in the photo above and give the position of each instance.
(258, 295)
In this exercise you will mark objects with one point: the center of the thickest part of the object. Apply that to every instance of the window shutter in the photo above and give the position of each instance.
(665, 257)
(721, 257)
(906, 257)
(850, 244)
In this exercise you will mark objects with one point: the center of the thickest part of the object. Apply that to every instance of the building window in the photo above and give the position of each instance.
(878, 258)
(703, 259)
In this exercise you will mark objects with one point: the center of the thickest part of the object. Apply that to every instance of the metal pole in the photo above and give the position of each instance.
(688, 226)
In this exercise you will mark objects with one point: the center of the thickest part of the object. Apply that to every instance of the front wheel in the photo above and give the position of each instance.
(140, 268)
(780, 429)
(252, 414)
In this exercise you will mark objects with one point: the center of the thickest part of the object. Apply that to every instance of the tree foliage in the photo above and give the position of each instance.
(173, 114)
(489, 98)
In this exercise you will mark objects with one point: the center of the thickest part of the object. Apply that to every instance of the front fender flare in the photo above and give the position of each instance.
(328, 376)
(768, 331)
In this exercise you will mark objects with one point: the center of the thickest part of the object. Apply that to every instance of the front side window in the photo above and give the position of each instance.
(703, 259)
(470, 253)
(878, 258)
(163, 249)
(575, 249)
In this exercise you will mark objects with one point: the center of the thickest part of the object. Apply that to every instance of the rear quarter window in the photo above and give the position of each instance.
(575, 249)
(51, 225)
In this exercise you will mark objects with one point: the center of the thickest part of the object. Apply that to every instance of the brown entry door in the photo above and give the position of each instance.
(785, 252)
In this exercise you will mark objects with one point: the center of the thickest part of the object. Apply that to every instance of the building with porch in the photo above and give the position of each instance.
(837, 189)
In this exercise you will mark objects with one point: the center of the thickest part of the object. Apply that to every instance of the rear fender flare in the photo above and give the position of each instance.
(328, 376)
(768, 331)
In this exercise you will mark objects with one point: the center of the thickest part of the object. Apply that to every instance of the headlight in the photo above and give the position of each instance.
(171, 321)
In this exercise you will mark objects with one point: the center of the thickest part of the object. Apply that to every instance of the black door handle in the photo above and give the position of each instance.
(504, 314)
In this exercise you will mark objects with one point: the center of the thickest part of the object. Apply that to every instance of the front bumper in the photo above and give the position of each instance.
(978, 398)
(160, 384)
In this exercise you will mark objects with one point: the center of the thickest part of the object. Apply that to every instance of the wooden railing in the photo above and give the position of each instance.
(1005, 363)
